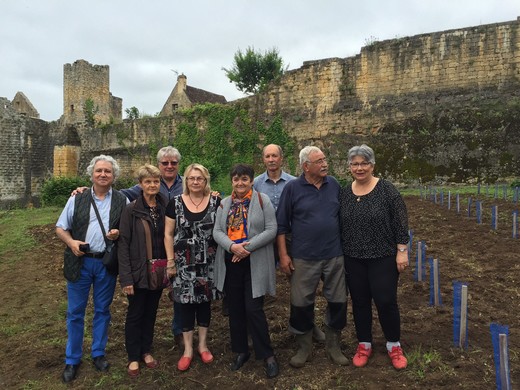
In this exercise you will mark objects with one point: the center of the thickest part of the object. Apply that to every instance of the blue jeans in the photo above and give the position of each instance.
(177, 319)
(93, 273)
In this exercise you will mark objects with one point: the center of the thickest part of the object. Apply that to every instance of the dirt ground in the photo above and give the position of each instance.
(33, 334)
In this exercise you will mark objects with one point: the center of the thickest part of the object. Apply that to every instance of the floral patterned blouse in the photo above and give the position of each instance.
(194, 250)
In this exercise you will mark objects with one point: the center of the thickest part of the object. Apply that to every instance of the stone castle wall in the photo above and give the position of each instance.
(395, 79)
(26, 157)
(386, 96)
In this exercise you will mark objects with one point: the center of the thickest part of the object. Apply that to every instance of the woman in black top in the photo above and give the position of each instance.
(191, 249)
(374, 233)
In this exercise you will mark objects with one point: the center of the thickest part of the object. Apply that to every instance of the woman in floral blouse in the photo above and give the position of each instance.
(190, 249)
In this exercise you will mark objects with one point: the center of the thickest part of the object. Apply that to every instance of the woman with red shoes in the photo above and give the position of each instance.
(190, 250)
(374, 233)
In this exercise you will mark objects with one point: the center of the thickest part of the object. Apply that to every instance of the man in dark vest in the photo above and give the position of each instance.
(78, 226)
(168, 161)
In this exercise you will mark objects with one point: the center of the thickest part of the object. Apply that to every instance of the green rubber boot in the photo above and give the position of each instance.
(304, 352)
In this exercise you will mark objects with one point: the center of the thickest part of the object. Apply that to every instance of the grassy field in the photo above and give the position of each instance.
(14, 225)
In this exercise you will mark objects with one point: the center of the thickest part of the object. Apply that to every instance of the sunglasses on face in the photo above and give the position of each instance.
(172, 163)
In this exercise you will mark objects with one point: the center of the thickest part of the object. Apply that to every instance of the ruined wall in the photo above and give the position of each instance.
(459, 87)
(24, 106)
(441, 105)
(82, 81)
(25, 159)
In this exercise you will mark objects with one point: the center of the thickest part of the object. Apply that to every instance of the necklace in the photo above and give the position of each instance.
(359, 199)
(196, 204)
(154, 215)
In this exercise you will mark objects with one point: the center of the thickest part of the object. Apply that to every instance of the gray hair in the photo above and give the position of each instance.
(169, 151)
(306, 151)
(364, 151)
(102, 157)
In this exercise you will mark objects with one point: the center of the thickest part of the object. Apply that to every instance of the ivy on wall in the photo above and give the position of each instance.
(219, 136)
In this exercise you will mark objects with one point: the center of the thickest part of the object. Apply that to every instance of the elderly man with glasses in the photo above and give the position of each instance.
(168, 160)
(309, 210)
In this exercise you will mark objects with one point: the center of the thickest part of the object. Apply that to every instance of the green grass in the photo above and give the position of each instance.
(15, 223)
(458, 189)
(420, 362)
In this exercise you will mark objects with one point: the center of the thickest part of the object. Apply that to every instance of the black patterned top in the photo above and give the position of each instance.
(373, 224)
(195, 250)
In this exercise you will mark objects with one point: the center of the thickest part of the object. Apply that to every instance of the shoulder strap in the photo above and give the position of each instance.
(148, 237)
(260, 200)
(99, 220)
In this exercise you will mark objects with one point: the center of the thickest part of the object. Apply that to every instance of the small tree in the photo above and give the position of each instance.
(132, 113)
(90, 110)
(252, 71)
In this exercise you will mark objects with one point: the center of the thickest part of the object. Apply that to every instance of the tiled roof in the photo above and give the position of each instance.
(197, 95)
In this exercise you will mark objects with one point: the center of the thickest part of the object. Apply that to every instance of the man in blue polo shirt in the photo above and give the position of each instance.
(272, 182)
(309, 211)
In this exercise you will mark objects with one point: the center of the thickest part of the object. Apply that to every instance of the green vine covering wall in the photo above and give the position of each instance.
(219, 136)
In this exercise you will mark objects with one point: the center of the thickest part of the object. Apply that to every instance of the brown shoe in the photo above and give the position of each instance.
(132, 373)
(152, 363)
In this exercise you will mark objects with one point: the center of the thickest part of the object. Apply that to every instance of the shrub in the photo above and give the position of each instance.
(125, 182)
(56, 191)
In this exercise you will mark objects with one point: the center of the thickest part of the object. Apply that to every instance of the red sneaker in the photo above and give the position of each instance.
(360, 359)
(398, 359)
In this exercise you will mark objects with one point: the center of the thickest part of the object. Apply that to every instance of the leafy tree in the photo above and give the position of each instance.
(132, 113)
(252, 71)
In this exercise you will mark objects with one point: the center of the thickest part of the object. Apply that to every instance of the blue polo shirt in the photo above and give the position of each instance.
(133, 193)
(273, 190)
(311, 215)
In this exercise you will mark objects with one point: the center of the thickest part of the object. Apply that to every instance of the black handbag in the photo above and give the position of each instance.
(110, 257)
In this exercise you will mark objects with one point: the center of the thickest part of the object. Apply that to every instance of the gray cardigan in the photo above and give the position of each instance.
(262, 227)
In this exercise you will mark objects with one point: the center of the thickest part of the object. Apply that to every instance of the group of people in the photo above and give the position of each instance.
(352, 239)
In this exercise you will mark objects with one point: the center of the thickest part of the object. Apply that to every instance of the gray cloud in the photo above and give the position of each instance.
(142, 41)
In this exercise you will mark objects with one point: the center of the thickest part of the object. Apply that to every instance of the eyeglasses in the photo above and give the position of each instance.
(196, 179)
(363, 165)
(321, 161)
(166, 163)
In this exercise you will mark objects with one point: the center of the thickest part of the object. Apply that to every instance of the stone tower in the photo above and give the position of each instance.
(83, 81)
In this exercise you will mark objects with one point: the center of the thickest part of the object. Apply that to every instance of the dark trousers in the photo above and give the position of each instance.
(190, 311)
(140, 322)
(374, 279)
(245, 312)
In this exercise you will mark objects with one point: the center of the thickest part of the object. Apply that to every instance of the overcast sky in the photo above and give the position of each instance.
(145, 42)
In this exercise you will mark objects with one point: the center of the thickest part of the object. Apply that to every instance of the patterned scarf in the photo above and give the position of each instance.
(237, 217)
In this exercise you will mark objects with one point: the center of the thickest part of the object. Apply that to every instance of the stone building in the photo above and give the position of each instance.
(185, 96)
(83, 81)
(24, 106)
